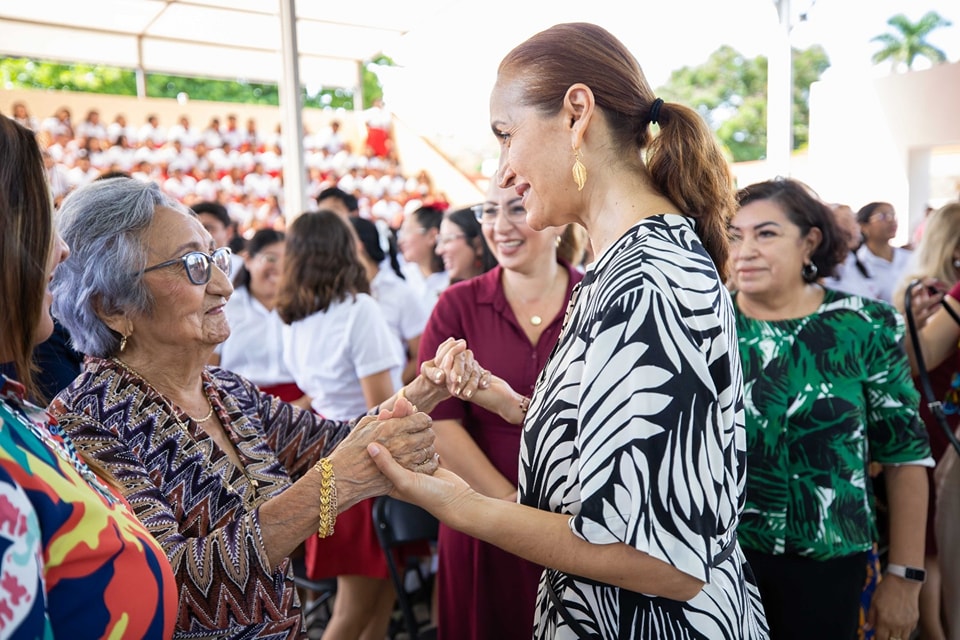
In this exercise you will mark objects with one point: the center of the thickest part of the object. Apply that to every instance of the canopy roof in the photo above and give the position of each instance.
(209, 38)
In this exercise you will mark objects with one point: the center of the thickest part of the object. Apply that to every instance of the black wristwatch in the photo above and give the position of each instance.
(907, 573)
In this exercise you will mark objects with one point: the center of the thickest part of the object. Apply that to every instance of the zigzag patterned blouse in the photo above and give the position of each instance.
(191, 497)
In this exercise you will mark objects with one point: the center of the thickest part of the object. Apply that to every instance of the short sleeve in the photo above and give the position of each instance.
(413, 317)
(370, 340)
(894, 429)
(653, 440)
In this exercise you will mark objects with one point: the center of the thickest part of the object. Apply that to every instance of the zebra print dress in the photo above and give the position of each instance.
(636, 429)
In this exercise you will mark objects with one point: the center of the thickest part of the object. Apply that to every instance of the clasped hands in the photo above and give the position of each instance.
(403, 430)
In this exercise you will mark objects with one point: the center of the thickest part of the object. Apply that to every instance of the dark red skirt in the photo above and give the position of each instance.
(286, 391)
(353, 549)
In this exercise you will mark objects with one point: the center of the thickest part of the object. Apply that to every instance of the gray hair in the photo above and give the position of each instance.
(103, 223)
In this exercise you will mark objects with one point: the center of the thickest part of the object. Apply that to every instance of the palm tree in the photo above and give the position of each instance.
(910, 41)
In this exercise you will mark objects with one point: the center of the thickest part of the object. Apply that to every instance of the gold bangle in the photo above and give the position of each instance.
(328, 497)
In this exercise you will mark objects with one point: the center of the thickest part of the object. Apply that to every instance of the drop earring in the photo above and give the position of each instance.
(579, 171)
(123, 343)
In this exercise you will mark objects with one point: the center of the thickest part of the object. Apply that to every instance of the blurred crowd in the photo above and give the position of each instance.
(227, 161)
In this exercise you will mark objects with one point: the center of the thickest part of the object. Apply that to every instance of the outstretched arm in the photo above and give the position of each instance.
(539, 536)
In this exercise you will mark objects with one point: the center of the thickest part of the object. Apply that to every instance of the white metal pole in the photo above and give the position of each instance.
(294, 168)
(780, 96)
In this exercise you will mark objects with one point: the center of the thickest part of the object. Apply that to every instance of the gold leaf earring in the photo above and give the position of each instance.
(579, 171)
(123, 343)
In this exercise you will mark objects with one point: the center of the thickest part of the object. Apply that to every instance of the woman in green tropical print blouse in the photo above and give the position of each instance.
(827, 390)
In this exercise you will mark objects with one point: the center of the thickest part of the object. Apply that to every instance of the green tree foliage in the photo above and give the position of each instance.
(730, 91)
(36, 74)
(95, 78)
(909, 42)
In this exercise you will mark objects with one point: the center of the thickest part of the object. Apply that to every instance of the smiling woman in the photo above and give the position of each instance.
(462, 246)
(637, 407)
(511, 317)
(228, 479)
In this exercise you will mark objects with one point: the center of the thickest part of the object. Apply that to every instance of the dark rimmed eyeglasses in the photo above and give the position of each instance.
(199, 265)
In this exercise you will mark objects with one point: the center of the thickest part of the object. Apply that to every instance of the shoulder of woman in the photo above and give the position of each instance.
(876, 312)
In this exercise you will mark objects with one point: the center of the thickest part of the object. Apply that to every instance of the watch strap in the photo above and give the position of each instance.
(907, 573)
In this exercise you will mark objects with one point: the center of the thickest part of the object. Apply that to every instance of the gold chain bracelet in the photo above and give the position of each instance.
(328, 497)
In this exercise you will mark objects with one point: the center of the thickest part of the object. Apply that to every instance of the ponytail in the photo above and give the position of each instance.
(687, 166)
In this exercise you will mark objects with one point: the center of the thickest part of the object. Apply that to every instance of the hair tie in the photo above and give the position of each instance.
(655, 111)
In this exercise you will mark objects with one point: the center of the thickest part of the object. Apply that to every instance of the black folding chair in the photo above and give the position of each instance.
(400, 523)
(318, 610)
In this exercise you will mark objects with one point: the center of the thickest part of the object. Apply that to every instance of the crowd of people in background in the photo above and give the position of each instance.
(777, 319)
(228, 162)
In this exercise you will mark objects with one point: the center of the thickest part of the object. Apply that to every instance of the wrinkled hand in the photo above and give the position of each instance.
(454, 368)
(406, 434)
(894, 608)
(925, 299)
(440, 493)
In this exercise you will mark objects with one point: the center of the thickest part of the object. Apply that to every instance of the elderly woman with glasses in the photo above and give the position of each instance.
(228, 479)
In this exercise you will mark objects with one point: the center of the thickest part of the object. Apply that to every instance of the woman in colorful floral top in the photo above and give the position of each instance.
(71, 549)
(827, 390)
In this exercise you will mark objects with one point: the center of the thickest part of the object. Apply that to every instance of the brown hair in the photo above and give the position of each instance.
(26, 240)
(685, 163)
(572, 245)
(320, 266)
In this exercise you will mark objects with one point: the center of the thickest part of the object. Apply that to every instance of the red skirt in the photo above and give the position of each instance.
(286, 391)
(353, 549)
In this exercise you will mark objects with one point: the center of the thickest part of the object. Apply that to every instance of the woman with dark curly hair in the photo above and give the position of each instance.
(827, 391)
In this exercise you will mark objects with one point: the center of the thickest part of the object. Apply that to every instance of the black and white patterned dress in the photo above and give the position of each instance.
(636, 429)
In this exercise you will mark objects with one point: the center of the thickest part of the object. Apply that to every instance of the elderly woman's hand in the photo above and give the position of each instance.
(454, 368)
(406, 434)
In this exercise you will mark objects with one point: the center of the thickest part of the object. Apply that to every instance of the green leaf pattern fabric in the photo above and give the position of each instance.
(825, 394)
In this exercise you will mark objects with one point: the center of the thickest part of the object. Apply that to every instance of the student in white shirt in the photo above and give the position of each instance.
(343, 355)
(255, 346)
(883, 262)
(422, 267)
(403, 311)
